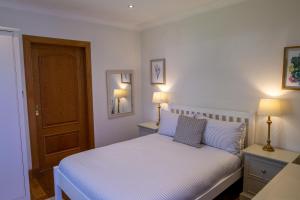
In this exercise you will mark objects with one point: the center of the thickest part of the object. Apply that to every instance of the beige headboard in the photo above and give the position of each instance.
(223, 115)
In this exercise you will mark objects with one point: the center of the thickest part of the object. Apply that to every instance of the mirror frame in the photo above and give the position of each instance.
(109, 92)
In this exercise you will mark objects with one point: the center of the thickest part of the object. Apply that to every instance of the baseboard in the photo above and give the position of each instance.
(245, 196)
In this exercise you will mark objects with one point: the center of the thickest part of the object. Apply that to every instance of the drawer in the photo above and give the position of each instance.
(254, 185)
(262, 168)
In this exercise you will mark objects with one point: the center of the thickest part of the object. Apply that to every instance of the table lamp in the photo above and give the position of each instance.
(120, 93)
(269, 107)
(159, 98)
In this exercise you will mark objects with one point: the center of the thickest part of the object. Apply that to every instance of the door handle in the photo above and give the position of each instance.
(37, 110)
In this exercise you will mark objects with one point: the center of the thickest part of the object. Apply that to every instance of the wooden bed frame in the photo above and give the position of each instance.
(62, 183)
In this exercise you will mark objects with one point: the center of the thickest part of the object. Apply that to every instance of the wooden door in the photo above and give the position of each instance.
(58, 80)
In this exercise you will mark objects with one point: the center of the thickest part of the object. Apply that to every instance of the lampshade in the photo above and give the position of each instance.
(270, 107)
(119, 93)
(160, 97)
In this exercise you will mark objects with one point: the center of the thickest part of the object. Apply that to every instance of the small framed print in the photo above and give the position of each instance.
(291, 68)
(125, 78)
(158, 71)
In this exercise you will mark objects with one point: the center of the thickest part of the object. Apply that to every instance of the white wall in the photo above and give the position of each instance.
(229, 58)
(112, 48)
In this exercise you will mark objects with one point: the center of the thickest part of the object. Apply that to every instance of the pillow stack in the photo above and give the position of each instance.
(193, 131)
(184, 129)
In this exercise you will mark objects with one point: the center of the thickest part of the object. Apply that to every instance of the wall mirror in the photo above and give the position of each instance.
(119, 85)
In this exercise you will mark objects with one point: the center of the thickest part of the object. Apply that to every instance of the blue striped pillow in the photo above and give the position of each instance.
(228, 136)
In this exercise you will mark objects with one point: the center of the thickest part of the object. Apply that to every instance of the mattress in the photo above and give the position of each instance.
(152, 167)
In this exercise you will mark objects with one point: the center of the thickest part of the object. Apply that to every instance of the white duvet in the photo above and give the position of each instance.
(148, 168)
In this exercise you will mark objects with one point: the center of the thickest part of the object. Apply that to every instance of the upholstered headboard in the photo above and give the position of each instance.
(223, 115)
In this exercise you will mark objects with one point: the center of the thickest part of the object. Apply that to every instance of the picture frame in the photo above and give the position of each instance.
(125, 78)
(291, 68)
(158, 71)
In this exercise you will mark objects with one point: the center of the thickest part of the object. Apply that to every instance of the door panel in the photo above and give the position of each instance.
(59, 99)
(61, 142)
(58, 77)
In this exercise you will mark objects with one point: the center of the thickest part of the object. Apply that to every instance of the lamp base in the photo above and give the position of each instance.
(158, 108)
(269, 148)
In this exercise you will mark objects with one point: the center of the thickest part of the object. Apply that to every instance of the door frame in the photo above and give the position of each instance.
(28, 40)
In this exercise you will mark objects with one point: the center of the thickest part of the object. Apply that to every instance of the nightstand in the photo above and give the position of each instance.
(261, 166)
(147, 128)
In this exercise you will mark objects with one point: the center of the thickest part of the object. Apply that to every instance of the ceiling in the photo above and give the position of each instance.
(145, 14)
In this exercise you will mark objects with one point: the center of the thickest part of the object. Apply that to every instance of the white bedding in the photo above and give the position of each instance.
(148, 168)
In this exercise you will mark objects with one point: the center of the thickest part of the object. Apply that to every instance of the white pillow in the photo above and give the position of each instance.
(228, 136)
(168, 123)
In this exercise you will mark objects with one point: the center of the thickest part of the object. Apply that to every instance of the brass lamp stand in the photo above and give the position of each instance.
(118, 99)
(159, 98)
(269, 107)
(268, 146)
(158, 107)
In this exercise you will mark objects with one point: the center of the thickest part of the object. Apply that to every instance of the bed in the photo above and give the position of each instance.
(152, 167)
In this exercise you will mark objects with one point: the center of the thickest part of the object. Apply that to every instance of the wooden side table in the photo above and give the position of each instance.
(147, 128)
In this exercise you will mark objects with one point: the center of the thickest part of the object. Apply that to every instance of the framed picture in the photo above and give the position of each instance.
(291, 68)
(158, 71)
(125, 78)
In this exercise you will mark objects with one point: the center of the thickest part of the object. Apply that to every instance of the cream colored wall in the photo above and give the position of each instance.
(112, 48)
(229, 59)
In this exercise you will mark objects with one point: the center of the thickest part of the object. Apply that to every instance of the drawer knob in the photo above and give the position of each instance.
(263, 171)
